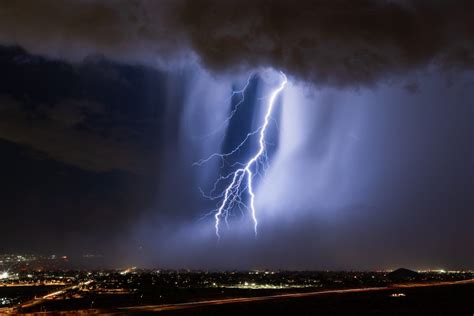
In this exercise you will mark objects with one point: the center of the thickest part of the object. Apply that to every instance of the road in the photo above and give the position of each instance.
(52, 295)
(33, 284)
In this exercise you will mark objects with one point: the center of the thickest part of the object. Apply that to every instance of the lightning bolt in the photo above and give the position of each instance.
(240, 92)
(242, 178)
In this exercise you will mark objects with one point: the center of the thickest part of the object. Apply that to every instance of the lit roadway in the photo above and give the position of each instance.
(52, 295)
(32, 284)
(191, 305)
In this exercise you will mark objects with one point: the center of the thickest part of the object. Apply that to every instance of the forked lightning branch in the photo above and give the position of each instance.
(241, 179)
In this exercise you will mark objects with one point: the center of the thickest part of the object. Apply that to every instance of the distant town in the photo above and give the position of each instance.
(31, 283)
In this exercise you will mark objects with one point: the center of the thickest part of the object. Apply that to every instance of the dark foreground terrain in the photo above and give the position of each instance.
(432, 300)
(413, 299)
(143, 292)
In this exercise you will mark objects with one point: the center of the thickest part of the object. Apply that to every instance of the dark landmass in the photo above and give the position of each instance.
(435, 300)
(234, 292)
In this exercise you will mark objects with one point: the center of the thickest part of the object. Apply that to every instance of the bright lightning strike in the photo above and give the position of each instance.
(242, 178)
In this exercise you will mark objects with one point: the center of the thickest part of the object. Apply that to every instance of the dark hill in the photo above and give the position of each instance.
(403, 274)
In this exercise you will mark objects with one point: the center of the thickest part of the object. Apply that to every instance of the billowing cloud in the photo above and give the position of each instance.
(340, 42)
(121, 30)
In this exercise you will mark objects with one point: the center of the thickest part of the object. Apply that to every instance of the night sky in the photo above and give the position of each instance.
(105, 106)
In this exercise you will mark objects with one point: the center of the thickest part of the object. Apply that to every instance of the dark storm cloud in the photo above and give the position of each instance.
(334, 42)
(98, 116)
(338, 42)
(53, 130)
(122, 30)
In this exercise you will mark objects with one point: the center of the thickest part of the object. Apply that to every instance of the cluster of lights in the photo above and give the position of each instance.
(4, 275)
(257, 286)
